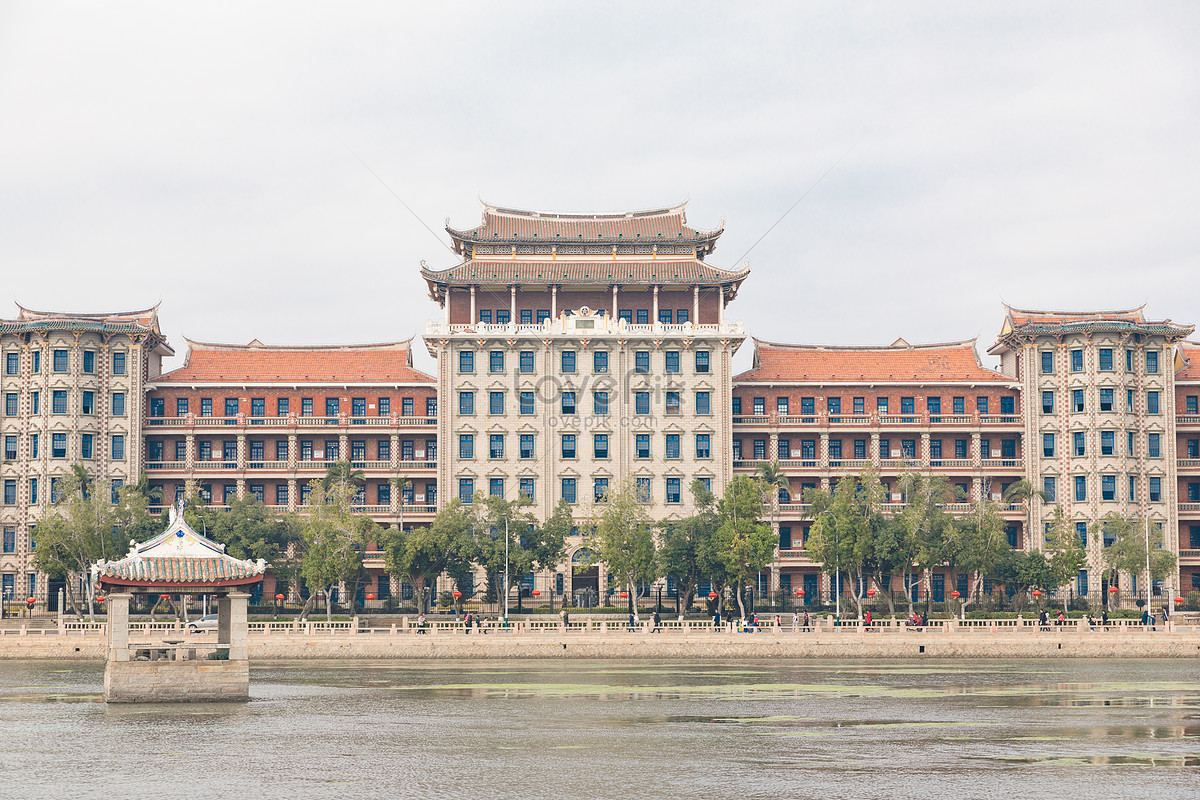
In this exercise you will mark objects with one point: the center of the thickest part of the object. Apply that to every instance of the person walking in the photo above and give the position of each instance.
(795, 622)
(868, 619)
(467, 622)
(656, 620)
(806, 619)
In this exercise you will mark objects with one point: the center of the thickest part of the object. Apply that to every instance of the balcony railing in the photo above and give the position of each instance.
(568, 326)
(405, 465)
(1187, 419)
(1189, 506)
(1189, 463)
(292, 421)
(1189, 553)
(915, 419)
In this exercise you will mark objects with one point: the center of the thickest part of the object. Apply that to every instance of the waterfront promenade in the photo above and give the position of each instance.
(612, 638)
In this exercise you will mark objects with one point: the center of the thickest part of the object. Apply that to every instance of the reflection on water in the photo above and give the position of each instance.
(575, 729)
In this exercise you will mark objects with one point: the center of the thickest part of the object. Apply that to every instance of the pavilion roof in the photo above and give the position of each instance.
(661, 225)
(899, 362)
(600, 271)
(143, 322)
(1022, 325)
(257, 363)
(179, 556)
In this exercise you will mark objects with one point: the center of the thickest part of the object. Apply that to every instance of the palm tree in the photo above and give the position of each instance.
(770, 476)
(402, 484)
(1024, 491)
(153, 494)
(342, 475)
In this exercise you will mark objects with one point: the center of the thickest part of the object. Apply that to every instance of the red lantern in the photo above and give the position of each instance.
(164, 597)
(1113, 590)
(537, 592)
(712, 595)
(1037, 593)
(870, 592)
(955, 594)
(32, 600)
(370, 597)
(624, 595)
(1177, 600)
(279, 598)
(100, 598)
(800, 593)
(457, 594)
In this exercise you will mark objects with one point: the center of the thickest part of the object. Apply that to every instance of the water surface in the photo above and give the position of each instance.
(608, 729)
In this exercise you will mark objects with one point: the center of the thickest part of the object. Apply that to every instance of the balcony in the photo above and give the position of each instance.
(914, 420)
(293, 421)
(1190, 555)
(569, 326)
(1182, 420)
(1185, 508)
(1189, 463)
(303, 465)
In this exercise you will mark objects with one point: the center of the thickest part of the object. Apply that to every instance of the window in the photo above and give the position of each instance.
(10, 539)
(526, 445)
(180, 450)
(1049, 488)
(1077, 400)
(568, 403)
(281, 450)
(60, 360)
(1081, 532)
(760, 406)
(1048, 402)
(306, 450)
(600, 361)
(672, 490)
(1106, 359)
(664, 316)
(88, 404)
(641, 362)
(118, 362)
(526, 316)
(1155, 486)
(672, 362)
(526, 403)
(703, 448)
(33, 445)
(1152, 445)
(10, 448)
(908, 449)
(641, 403)
(643, 490)
(1129, 400)
(231, 406)
(833, 405)
(431, 406)
(12, 363)
(525, 487)
(1151, 402)
(466, 363)
(643, 316)
(466, 490)
(958, 405)
(568, 490)
(466, 403)
(496, 445)
(600, 403)
(1007, 405)
(881, 405)
(1193, 448)
(1108, 444)
(1047, 362)
(1076, 361)
(907, 405)
(1132, 488)
(1080, 488)
(383, 450)
(58, 445)
(496, 362)
(703, 403)
(642, 445)
(885, 449)
(600, 445)
(10, 404)
(496, 487)
(1048, 445)
(1080, 447)
(358, 407)
(981, 404)
(10, 494)
(35, 398)
(466, 445)
(673, 406)
(526, 362)
(496, 402)
(960, 448)
(85, 446)
(1108, 487)
(673, 450)
(118, 404)
(1106, 399)
(737, 449)
(1129, 361)
(568, 361)
(736, 405)
(1152, 361)
(281, 494)
(1191, 405)
(568, 445)
(599, 489)
(503, 316)
(702, 361)
(306, 407)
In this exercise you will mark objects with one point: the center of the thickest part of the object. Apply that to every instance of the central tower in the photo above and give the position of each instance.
(578, 349)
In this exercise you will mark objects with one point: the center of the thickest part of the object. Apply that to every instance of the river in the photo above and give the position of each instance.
(618, 729)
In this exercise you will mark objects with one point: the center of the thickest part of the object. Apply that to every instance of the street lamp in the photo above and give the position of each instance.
(837, 564)
(506, 570)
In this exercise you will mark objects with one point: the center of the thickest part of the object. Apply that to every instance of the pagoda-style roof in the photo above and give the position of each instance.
(1024, 325)
(257, 363)
(899, 362)
(661, 225)
(142, 323)
(177, 559)
(601, 271)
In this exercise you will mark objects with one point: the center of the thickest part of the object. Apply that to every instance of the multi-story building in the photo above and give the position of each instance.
(578, 349)
(1187, 460)
(72, 387)
(266, 421)
(1099, 407)
(824, 412)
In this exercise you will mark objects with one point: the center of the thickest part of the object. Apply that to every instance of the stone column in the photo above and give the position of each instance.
(654, 319)
(874, 454)
(473, 315)
(976, 454)
(231, 624)
(118, 626)
(190, 453)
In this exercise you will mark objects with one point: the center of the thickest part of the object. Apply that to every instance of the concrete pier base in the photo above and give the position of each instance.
(176, 681)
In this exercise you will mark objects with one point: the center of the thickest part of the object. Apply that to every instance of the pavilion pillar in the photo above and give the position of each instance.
(614, 311)
(554, 302)
(472, 320)
(231, 624)
(696, 304)
(655, 314)
(512, 303)
(118, 626)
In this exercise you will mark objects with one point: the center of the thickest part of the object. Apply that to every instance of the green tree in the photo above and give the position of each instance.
(621, 536)
(420, 555)
(548, 544)
(1131, 540)
(1064, 552)
(773, 480)
(344, 476)
(497, 522)
(1021, 570)
(924, 526)
(977, 545)
(683, 544)
(334, 538)
(742, 541)
(250, 529)
(1023, 491)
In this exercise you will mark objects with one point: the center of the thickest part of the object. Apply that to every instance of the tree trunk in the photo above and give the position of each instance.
(741, 608)
(908, 578)
(329, 603)
(308, 607)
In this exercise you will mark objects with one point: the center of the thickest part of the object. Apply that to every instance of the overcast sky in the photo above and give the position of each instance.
(207, 155)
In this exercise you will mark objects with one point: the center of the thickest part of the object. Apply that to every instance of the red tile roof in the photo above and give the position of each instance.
(1189, 370)
(599, 271)
(513, 225)
(147, 316)
(259, 363)
(1023, 317)
(136, 323)
(1024, 325)
(954, 362)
